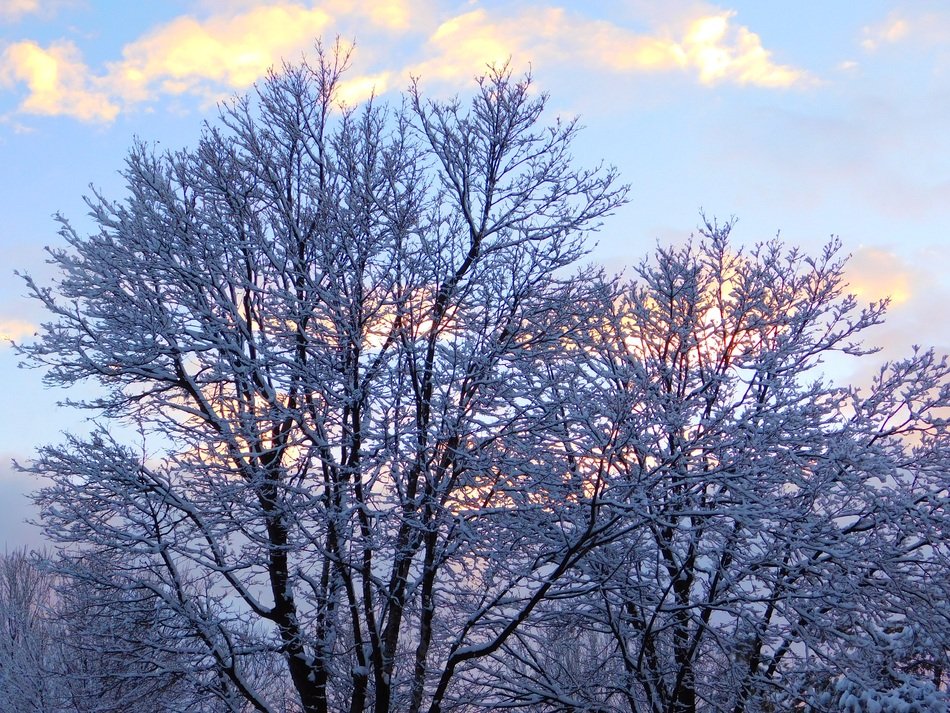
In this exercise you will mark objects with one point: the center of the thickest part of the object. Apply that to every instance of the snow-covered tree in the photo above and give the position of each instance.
(340, 337)
(67, 648)
(783, 533)
(118, 649)
(27, 640)
(392, 450)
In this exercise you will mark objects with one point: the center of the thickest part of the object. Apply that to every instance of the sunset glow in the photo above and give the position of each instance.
(825, 121)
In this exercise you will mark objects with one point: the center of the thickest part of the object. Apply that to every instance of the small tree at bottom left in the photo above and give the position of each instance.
(71, 645)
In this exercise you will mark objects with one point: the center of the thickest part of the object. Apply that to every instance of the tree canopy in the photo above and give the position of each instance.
(395, 449)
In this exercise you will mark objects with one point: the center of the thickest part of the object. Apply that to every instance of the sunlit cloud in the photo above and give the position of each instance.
(467, 43)
(710, 47)
(353, 91)
(915, 28)
(214, 55)
(875, 274)
(16, 329)
(208, 57)
(917, 313)
(58, 81)
(917, 298)
(723, 53)
(186, 54)
(12, 10)
(893, 29)
(391, 14)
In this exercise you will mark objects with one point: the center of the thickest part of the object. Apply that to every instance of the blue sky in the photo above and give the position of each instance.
(809, 118)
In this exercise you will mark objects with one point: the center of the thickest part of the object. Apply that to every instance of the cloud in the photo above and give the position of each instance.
(205, 57)
(358, 89)
(921, 27)
(212, 56)
(12, 10)
(892, 30)
(15, 10)
(710, 47)
(918, 292)
(392, 14)
(396, 15)
(722, 53)
(187, 55)
(16, 329)
(875, 274)
(58, 80)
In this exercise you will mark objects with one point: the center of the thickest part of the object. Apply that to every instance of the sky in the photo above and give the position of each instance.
(804, 119)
